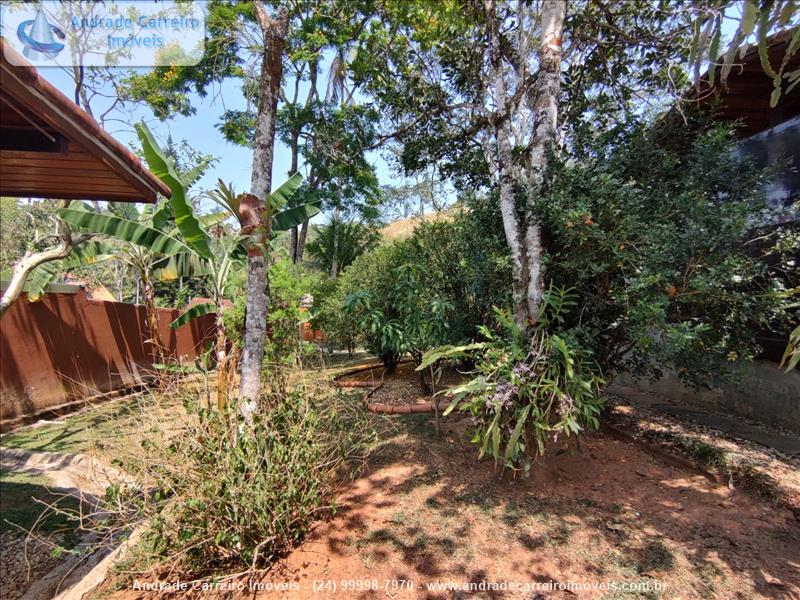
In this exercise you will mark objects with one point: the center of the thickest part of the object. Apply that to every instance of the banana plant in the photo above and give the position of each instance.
(147, 235)
(144, 243)
(276, 217)
(229, 253)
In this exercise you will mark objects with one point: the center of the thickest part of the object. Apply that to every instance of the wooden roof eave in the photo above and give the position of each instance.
(22, 82)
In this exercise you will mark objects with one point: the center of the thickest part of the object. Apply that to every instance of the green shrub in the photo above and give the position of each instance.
(454, 270)
(288, 283)
(654, 231)
(465, 261)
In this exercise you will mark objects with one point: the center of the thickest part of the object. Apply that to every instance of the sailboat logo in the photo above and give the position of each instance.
(37, 38)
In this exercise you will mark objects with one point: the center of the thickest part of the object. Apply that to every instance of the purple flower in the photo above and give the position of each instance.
(504, 393)
(522, 370)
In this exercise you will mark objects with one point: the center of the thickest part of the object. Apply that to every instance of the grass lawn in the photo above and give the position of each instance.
(22, 505)
(96, 427)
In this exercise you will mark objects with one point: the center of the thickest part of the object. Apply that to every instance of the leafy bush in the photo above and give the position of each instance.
(340, 327)
(524, 391)
(383, 293)
(435, 287)
(216, 494)
(288, 284)
(654, 232)
(466, 262)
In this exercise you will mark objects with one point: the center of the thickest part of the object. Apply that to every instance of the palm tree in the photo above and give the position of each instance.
(229, 253)
(339, 243)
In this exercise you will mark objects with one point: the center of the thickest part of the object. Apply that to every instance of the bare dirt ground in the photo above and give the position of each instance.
(593, 516)
(428, 512)
(402, 387)
(764, 470)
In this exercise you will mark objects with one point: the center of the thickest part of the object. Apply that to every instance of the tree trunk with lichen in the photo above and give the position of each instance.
(516, 182)
(274, 31)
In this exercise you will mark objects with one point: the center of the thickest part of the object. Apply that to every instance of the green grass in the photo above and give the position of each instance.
(21, 508)
(79, 432)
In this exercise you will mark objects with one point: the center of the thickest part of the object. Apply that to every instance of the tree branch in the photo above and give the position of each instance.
(32, 260)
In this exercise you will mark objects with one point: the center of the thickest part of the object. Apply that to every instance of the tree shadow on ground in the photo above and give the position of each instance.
(427, 509)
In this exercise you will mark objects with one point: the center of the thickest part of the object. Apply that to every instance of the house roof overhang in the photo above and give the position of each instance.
(51, 148)
(745, 95)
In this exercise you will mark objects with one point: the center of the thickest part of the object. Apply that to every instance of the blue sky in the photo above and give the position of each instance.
(200, 132)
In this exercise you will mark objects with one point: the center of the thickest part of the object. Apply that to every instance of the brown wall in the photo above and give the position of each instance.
(66, 347)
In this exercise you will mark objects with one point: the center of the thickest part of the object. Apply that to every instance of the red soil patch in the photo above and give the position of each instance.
(604, 512)
(429, 512)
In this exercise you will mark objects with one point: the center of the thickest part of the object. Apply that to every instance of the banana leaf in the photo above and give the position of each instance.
(183, 264)
(290, 217)
(122, 229)
(164, 169)
(88, 253)
(285, 191)
(197, 310)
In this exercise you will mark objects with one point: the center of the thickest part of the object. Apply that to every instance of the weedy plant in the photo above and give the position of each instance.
(524, 392)
(208, 493)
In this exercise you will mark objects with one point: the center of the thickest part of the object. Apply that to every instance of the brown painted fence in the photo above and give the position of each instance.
(66, 347)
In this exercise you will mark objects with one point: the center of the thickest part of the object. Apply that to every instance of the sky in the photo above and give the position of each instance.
(200, 131)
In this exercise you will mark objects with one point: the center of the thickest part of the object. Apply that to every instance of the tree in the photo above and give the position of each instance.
(228, 254)
(346, 239)
(484, 84)
(245, 42)
(274, 32)
(31, 260)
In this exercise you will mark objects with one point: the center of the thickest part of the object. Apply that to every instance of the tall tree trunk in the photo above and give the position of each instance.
(521, 224)
(299, 244)
(544, 136)
(301, 241)
(293, 148)
(274, 31)
(335, 249)
(503, 151)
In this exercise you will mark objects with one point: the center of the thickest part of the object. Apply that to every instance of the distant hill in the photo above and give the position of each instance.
(403, 228)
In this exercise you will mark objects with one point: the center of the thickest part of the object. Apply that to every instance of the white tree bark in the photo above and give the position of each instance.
(509, 87)
(504, 169)
(274, 31)
(545, 132)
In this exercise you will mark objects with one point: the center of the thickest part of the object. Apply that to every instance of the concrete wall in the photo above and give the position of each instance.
(764, 394)
(66, 347)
